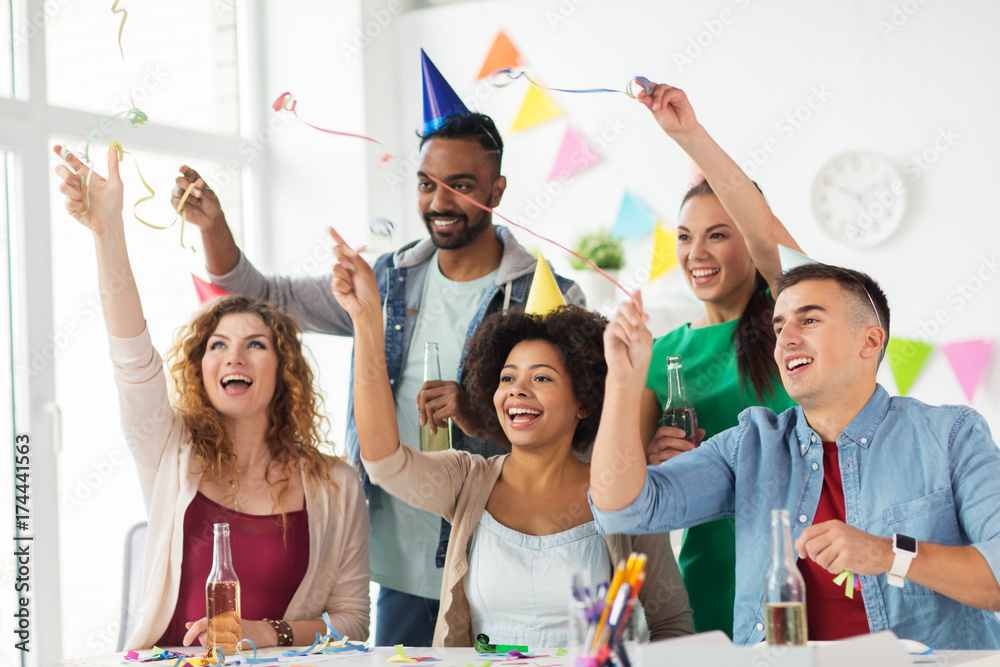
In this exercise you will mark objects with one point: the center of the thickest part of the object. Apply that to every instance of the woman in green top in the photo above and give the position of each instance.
(727, 238)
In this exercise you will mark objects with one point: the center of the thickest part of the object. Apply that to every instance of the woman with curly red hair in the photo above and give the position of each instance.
(240, 445)
(521, 525)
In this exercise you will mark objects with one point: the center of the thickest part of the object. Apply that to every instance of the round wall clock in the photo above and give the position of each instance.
(859, 197)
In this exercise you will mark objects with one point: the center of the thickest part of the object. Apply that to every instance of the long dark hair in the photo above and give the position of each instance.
(754, 338)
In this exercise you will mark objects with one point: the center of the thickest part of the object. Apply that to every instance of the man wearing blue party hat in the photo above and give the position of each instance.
(437, 289)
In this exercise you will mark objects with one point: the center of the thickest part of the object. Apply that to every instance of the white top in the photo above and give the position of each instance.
(404, 539)
(518, 585)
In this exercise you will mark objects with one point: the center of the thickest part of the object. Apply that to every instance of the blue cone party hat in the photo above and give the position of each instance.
(440, 101)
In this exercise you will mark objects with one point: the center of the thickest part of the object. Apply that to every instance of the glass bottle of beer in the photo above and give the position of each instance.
(432, 371)
(784, 588)
(679, 411)
(222, 595)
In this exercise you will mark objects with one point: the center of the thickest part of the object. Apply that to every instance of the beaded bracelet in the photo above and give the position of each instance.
(282, 629)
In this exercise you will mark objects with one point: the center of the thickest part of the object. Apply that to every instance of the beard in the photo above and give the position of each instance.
(460, 234)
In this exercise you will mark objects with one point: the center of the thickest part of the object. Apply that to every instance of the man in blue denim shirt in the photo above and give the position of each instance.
(465, 153)
(908, 470)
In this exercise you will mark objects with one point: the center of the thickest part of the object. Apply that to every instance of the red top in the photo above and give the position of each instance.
(269, 562)
(831, 614)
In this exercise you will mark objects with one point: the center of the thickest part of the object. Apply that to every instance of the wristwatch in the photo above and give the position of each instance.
(905, 548)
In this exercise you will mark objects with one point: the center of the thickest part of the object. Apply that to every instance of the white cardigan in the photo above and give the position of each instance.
(337, 577)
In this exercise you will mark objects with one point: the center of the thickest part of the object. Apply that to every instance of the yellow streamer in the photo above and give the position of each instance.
(121, 28)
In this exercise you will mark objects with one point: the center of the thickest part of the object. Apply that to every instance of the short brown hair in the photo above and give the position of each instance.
(577, 333)
(865, 291)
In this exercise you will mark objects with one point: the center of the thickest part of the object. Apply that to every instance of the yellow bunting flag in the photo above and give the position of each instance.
(536, 108)
(544, 295)
(907, 358)
(664, 255)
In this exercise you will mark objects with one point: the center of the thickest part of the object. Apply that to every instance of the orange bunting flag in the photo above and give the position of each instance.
(503, 54)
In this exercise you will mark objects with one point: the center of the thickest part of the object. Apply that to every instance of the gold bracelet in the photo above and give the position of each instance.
(282, 629)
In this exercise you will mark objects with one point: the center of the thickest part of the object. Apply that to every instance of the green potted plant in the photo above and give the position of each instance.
(607, 253)
(602, 249)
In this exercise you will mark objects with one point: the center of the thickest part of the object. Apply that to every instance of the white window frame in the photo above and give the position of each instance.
(26, 126)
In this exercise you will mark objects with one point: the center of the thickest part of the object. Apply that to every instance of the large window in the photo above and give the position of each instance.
(61, 77)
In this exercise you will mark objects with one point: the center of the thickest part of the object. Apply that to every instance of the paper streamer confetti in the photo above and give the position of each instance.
(850, 581)
(286, 102)
(506, 76)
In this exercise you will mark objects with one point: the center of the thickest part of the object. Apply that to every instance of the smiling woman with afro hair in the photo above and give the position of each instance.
(577, 334)
(521, 522)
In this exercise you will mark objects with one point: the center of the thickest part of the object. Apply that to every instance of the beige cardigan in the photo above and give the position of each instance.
(456, 485)
(336, 579)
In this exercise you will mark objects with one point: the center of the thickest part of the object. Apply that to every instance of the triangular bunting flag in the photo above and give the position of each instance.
(544, 295)
(791, 259)
(575, 155)
(968, 360)
(664, 255)
(503, 54)
(907, 358)
(634, 218)
(206, 291)
(536, 108)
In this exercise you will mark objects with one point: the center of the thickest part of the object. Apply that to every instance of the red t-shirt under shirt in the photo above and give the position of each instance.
(831, 614)
(269, 561)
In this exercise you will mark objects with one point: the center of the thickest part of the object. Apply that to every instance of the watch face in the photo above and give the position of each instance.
(905, 543)
(859, 198)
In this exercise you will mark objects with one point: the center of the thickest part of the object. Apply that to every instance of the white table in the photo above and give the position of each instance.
(450, 657)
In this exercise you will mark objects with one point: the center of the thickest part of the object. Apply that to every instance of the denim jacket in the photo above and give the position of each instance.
(400, 281)
(930, 472)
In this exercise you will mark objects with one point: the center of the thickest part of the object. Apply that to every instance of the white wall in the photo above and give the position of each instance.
(892, 76)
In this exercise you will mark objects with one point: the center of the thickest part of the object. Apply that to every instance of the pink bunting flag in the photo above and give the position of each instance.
(968, 359)
(575, 155)
(206, 291)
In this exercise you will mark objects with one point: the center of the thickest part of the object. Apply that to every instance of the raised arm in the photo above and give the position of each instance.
(741, 199)
(97, 205)
(356, 291)
(202, 209)
(618, 462)
(307, 299)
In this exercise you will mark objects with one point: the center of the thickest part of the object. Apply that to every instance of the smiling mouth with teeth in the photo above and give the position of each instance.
(522, 415)
(798, 361)
(702, 273)
(232, 378)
